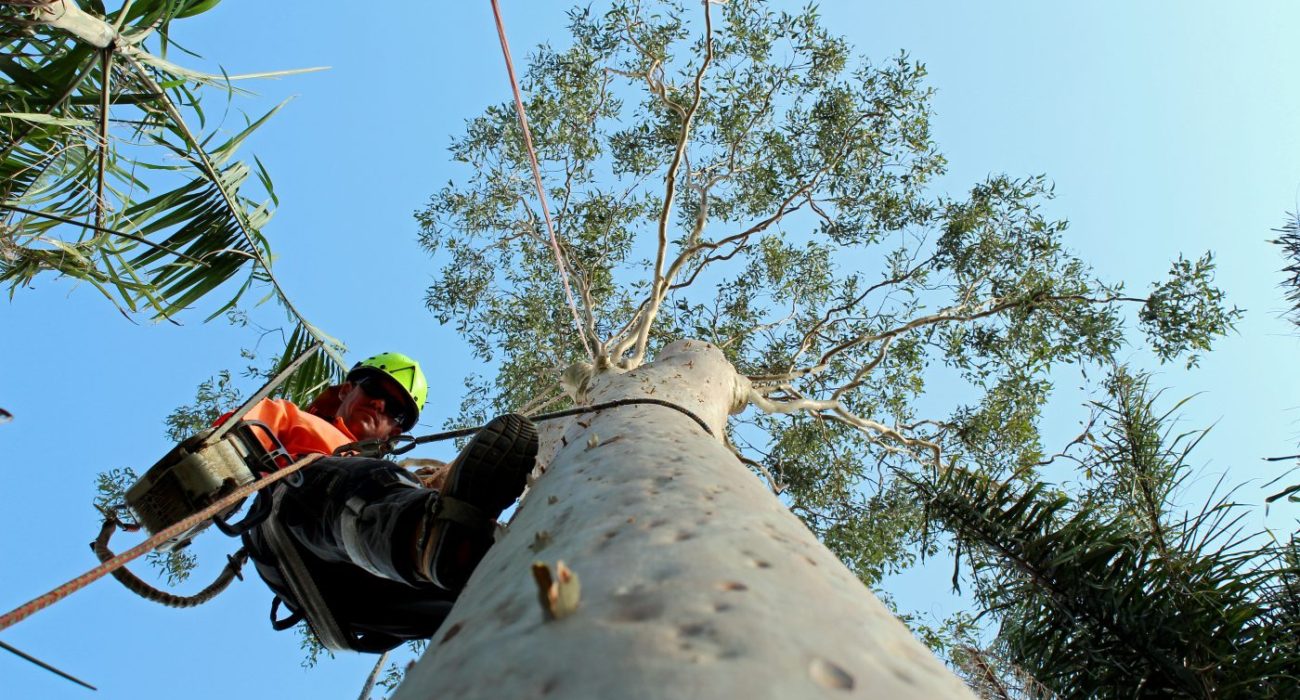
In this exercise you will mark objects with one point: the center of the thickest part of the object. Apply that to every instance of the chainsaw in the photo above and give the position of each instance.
(204, 468)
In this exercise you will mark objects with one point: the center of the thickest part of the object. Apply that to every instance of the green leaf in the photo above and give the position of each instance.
(196, 7)
(37, 118)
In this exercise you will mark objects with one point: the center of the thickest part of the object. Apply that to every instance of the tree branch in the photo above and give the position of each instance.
(100, 204)
(826, 318)
(660, 282)
(875, 429)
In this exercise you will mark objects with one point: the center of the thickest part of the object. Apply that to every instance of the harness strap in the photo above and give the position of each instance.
(280, 624)
(299, 580)
(459, 511)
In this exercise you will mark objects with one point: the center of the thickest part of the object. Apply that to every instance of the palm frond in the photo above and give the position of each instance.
(318, 372)
(1096, 603)
(1289, 241)
(104, 180)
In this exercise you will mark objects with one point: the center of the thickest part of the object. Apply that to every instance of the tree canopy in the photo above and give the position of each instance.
(719, 171)
(736, 174)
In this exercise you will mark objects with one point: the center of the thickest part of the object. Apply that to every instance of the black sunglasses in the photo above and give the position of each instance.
(394, 407)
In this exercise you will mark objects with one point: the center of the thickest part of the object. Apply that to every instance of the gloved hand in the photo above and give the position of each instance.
(432, 473)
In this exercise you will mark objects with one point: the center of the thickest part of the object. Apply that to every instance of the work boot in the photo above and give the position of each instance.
(487, 476)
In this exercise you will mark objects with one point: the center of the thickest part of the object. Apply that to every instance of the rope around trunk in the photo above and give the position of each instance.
(389, 446)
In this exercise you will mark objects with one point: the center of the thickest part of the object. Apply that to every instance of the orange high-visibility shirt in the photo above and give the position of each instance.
(300, 432)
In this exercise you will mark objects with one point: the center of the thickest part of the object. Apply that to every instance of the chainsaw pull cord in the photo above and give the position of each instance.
(390, 446)
(235, 562)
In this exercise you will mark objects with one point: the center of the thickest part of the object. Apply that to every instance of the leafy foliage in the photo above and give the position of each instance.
(394, 673)
(1112, 591)
(110, 172)
(1185, 313)
(214, 397)
(311, 646)
(1289, 241)
(1290, 244)
(111, 486)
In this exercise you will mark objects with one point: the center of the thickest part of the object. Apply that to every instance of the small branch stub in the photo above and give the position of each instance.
(541, 539)
(558, 592)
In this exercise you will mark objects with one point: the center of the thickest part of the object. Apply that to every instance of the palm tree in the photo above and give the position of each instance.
(111, 174)
(1111, 591)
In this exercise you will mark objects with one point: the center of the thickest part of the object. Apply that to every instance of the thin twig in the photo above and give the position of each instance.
(374, 676)
(777, 487)
(100, 204)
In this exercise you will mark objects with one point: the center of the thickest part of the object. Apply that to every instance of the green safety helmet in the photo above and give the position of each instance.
(405, 372)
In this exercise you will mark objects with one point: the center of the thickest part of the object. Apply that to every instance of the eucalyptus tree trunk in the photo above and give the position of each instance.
(696, 582)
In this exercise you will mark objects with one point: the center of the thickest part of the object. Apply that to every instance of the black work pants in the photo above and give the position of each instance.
(360, 511)
(354, 520)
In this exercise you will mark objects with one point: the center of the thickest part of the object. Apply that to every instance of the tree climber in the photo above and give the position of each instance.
(358, 546)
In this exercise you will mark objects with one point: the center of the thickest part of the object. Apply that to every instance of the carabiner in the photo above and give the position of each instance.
(393, 442)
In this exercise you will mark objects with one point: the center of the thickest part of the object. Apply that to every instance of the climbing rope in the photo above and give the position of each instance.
(114, 563)
(41, 602)
(537, 180)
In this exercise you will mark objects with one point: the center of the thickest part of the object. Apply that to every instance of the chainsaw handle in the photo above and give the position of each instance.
(257, 514)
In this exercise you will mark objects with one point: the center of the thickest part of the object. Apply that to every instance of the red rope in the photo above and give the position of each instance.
(39, 603)
(537, 178)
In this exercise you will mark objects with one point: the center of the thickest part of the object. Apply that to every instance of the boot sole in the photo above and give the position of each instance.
(490, 474)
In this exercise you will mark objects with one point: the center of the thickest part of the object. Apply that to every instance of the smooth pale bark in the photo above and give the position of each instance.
(696, 581)
(68, 16)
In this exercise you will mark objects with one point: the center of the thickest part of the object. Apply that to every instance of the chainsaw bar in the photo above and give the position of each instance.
(262, 393)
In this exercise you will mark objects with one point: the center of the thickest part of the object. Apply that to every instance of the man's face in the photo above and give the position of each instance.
(368, 406)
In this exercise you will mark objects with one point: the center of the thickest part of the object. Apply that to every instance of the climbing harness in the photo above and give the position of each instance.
(182, 494)
(301, 594)
(314, 607)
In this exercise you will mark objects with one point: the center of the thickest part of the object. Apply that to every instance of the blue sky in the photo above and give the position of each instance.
(1167, 127)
